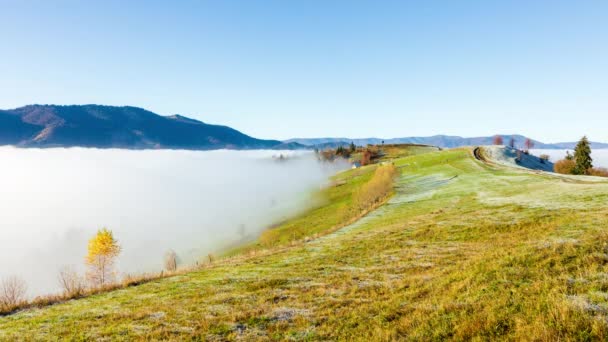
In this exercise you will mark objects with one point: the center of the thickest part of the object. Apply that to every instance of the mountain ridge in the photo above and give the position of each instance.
(129, 127)
(117, 127)
(444, 141)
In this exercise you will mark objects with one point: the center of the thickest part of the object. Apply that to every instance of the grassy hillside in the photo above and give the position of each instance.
(461, 250)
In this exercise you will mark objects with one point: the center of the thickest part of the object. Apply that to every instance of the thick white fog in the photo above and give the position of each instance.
(600, 156)
(53, 200)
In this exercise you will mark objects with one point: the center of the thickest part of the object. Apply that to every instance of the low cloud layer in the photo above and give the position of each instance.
(53, 200)
(600, 156)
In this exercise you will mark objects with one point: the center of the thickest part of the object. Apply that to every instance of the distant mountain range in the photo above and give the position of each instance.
(136, 128)
(118, 127)
(444, 141)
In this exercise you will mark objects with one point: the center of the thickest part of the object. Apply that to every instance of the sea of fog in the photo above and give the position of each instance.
(52, 201)
(600, 156)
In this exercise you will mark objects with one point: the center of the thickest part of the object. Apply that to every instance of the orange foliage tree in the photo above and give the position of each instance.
(564, 166)
(529, 144)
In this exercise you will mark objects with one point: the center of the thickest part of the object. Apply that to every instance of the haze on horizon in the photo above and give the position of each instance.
(280, 70)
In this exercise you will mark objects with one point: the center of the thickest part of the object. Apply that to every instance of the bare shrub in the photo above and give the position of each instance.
(564, 166)
(73, 285)
(138, 279)
(599, 172)
(12, 292)
(170, 261)
(544, 158)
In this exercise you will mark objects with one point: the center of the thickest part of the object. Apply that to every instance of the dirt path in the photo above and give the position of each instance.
(477, 154)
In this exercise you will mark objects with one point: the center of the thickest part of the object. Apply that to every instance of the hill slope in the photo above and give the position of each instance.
(120, 127)
(462, 250)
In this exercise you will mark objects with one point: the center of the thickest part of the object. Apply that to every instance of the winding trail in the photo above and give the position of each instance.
(479, 156)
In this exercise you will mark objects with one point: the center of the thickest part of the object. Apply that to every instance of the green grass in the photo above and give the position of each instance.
(462, 250)
(391, 152)
(333, 211)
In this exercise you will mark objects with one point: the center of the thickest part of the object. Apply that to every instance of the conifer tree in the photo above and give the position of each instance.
(582, 157)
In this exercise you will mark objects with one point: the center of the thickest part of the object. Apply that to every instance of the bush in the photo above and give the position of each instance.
(544, 158)
(12, 292)
(564, 166)
(376, 189)
(366, 158)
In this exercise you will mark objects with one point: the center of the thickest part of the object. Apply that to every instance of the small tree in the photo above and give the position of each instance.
(366, 157)
(170, 261)
(353, 148)
(72, 284)
(102, 253)
(569, 156)
(529, 144)
(498, 140)
(518, 157)
(582, 157)
(12, 292)
(512, 142)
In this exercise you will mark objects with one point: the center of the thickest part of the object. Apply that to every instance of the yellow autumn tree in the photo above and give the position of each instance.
(102, 252)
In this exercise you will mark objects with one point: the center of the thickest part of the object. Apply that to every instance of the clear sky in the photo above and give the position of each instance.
(281, 69)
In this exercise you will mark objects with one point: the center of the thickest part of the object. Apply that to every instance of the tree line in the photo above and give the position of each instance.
(579, 163)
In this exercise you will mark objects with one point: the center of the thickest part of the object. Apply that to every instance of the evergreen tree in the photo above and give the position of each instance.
(352, 146)
(582, 157)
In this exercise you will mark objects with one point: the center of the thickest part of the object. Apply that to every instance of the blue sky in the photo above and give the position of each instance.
(281, 69)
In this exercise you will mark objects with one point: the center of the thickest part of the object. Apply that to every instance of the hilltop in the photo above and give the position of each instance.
(465, 246)
(118, 127)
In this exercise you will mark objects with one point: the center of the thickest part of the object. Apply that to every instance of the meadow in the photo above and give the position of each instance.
(458, 249)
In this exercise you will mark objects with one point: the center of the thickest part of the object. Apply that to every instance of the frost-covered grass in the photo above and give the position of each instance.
(463, 250)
